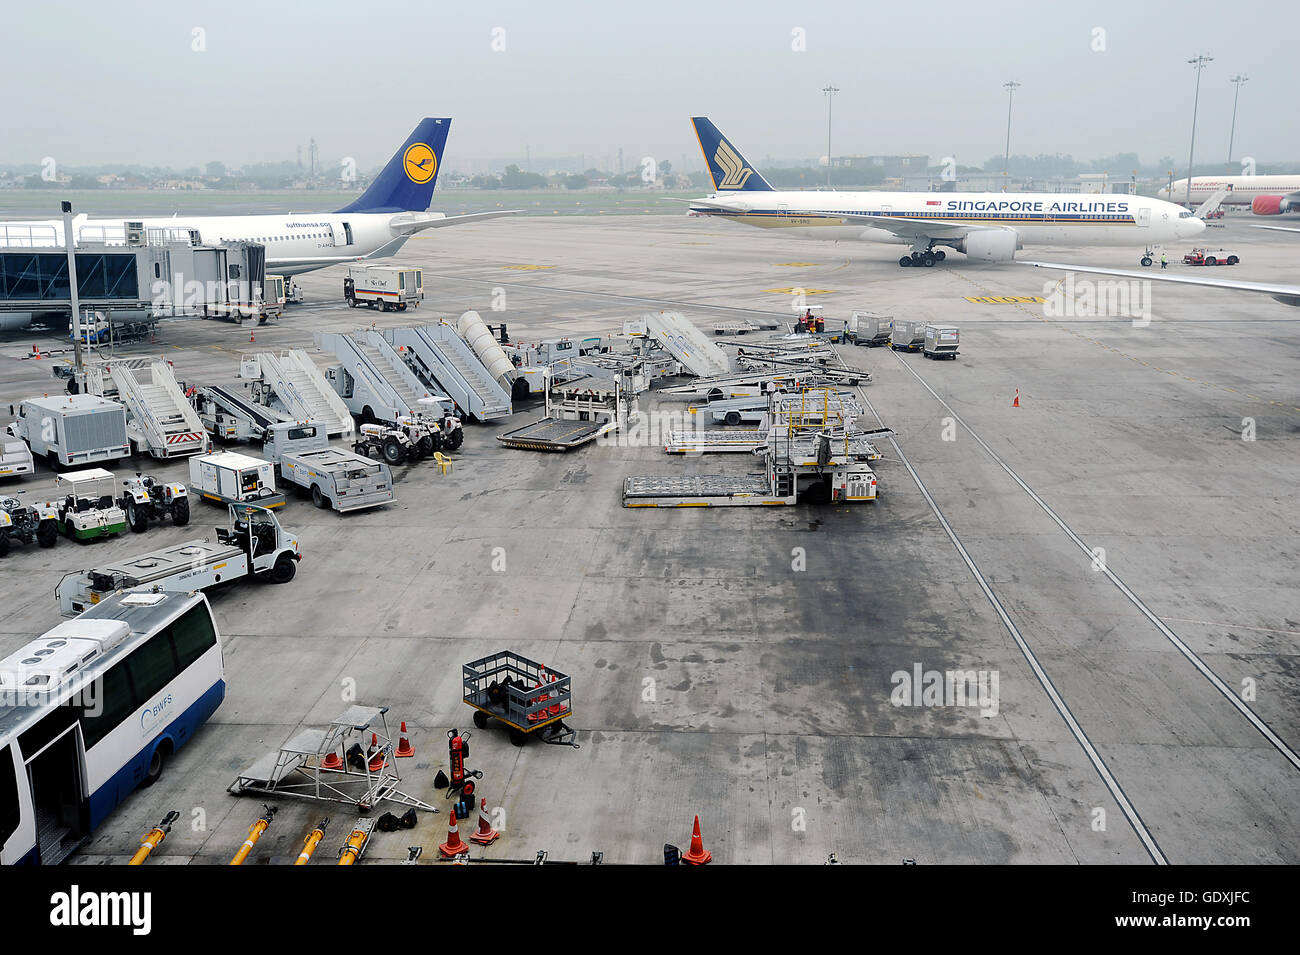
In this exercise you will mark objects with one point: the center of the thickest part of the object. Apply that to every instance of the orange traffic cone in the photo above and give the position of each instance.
(377, 761)
(36, 352)
(332, 761)
(484, 835)
(404, 747)
(453, 846)
(1016, 402)
(697, 855)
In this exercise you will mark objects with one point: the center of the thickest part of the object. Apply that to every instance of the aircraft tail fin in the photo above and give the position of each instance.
(730, 171)
(406, 183)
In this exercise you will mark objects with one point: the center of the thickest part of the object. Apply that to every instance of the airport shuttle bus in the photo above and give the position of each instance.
(91, 711)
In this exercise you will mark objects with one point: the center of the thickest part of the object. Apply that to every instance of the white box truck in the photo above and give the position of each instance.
(389, 287)
(72, 429)
(941, 341)
(230, 478)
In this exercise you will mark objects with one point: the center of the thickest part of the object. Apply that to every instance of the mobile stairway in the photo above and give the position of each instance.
(162, 421)
(679, 337)
(230, 416)
(291, 382)
(374, 380)
(443, 360)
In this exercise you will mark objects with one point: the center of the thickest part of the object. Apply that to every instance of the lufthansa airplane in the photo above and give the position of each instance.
(987, 227)
(375, 225)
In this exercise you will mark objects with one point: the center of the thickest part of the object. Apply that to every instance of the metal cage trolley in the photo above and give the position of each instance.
(530, 698)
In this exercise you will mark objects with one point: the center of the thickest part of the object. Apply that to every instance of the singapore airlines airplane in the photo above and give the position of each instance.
(1266, 195)
(375, 225)
(987, 227)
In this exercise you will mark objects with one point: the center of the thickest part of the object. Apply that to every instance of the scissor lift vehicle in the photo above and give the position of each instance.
(333, 764)
(530, 698)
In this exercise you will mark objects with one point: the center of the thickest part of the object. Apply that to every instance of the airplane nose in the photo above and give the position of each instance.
(1195, 226)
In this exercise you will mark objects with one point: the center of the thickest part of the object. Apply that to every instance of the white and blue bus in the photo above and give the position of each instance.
(91, 711)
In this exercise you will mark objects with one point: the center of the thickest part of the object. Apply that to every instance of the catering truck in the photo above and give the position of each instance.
(72, 429)
(389, 287)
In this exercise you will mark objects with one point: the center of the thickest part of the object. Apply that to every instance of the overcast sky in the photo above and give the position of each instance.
(92, 83)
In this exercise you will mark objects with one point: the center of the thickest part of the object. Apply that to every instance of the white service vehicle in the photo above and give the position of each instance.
(343, 480)
(389, 287)
(254, 545)
(146, 499)
(86, 505)
(72, 429)
(228, 477)
(15, 459)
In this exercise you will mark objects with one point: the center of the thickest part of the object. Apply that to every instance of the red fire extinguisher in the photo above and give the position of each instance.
(457, 753)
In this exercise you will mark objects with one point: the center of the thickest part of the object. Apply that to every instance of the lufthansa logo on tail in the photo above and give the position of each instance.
(734, 170)
(420, 163)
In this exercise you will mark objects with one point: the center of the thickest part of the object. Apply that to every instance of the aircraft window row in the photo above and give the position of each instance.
(286, 238)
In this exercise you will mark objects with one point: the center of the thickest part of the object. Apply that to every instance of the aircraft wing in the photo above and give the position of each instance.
(1277, 228)
(1286, 294)
(906, 228)
(409, 223)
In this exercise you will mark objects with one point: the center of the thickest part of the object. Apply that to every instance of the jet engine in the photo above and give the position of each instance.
(990, 245)
(1272, 205)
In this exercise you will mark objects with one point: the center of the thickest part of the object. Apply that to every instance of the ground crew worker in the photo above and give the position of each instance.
(1164, 261)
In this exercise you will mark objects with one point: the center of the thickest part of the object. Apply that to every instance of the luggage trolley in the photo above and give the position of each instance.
(528, 697)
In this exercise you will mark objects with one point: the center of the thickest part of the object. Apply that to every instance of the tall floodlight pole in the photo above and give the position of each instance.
(1236, 81)
(1199, 61)
(830, 92)
(1010, 86)
(70, 245)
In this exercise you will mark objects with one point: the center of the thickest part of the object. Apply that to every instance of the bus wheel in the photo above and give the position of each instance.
(155, 771)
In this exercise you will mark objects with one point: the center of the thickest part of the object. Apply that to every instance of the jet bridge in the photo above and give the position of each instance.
(442, 359)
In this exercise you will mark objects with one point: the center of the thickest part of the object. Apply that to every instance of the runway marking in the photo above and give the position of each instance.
(1005, 299)
(1107, 777)
(1226, 691)
(528, 268)
(1111, 348)
(805, 291)
(796, 265)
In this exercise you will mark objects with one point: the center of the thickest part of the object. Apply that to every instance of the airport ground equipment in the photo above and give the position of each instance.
(578, 412)
(868, 328)
(86, 504)
(145, 499)
(941, 341)
(229, 416)
(389, 287)
(680, 338)
(73, 429)
(253, 545)
(335, 478)
(27, 523)
(254, 834)
(228, 477)
(479, 337)
(292, 384)
(444, 362)
(15, 458)
(160, 419)
(1211, 257)
(312, 841)
(95, 328)
(357, 740)
(531, 699)
(734, 441)
(154, 838)
(733, 328)
(907, 336)
(357, 841)
(383, 443)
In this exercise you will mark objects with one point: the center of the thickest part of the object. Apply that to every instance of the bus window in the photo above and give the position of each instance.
(9, 814)
(193, 636)
(108, 707)
(153, 666)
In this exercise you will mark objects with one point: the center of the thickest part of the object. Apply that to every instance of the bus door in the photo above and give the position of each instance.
(58, 793)
(17, 821)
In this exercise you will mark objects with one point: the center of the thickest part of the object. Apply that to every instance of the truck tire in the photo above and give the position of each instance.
(47, 532)
(427, 445)
(732, 418)
(455, 439)
(519, 390)
(4, 543)
(73, 387)
(135, 518)
(1233, 260)
(394, 453)
(352, 303)
(181, 512)
(317, 498)
(284, 570)
(1211, 260)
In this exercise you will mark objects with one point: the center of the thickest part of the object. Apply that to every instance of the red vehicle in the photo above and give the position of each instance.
(1211, 257)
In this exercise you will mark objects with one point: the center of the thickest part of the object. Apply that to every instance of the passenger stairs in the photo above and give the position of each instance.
(302, 390)
(439, 356)
(162, 420)
(678, 336)
(383, 386)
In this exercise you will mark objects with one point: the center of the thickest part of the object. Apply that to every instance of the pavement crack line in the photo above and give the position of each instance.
(1188, 653)
(1103, 771)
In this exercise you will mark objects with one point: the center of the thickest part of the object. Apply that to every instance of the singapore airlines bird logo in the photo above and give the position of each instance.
(734, 170)
(420, 163)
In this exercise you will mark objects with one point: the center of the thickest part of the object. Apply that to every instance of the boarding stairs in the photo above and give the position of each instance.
(162, 421)
(304, 393)
(438, 355)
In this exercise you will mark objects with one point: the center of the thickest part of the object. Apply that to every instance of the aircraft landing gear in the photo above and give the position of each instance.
(1147, 257)
(922, 259)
